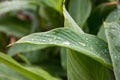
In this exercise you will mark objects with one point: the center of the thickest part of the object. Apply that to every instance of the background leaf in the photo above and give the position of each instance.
(80, 10)
(15, 5)
(112, 17)
(7, 73)
(26, 71)
(98, 15)
(14, 26)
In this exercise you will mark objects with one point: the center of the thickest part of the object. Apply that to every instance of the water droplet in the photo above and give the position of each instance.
(66, 43)
(91, 48)
(87, 39)
(115, 56)
(82, 44)
(32, 39)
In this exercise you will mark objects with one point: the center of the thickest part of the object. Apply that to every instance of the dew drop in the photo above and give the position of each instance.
(91, 48)
(32, 39)
(82, 44)
(115, 57)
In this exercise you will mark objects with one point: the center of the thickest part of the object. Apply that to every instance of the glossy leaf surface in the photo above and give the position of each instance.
(112, 31)
(87, 44)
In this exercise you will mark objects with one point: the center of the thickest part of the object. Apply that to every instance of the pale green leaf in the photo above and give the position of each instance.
(84, 43)
(8, 6)
(69, 22)
(112, 17)
(80, 10)
(7, 73)
(26, 71)
(112, 31)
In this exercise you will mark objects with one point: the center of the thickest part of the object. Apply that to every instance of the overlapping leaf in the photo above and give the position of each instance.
(87, 44)
(56, 4)
(14, 26)
(31, 73)
(112, 17)
(80, 10)
(7, 73)
(112, 31)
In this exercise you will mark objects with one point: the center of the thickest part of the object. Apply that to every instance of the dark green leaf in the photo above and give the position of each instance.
(14, 26)
(98, 15)
(56, 4)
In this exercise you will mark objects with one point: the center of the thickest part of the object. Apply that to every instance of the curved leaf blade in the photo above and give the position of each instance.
(81, 67)
(69, 22)
(7, 73)
(7, 60)
(112, 17)
(112, 31)
(84, 43)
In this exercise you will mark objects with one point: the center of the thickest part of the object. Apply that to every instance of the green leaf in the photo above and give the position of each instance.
(81, 67)
(14, 26)
(80, 10)
(101, 33)
(112, 17)
(3, 41)
(99, 14)
(8, 6)
(63, 56)
(69, 22)
(84, 43)
(56, 4)
(34, 74)
(7, 73)
(112, 31)
(23, 48)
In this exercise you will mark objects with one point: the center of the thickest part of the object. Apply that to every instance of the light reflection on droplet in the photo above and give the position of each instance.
(66, 43)
(82, 44)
